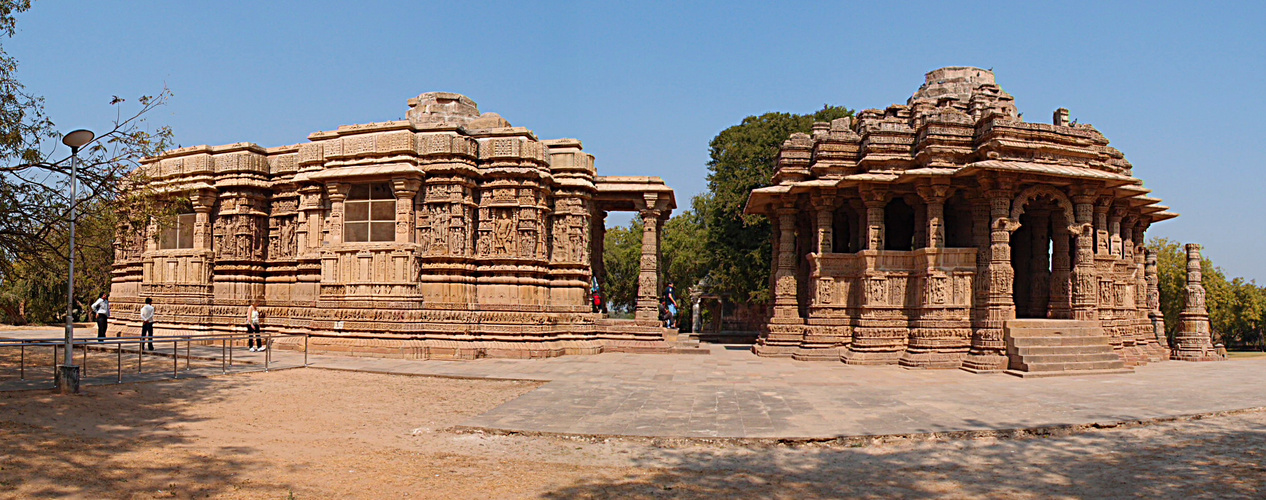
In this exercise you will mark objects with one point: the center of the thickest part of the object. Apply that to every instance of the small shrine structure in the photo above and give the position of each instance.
(450, 234)
(950, 233)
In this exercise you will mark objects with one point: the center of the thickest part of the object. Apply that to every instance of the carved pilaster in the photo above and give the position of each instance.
(338, 194)
(1153, 301)
(405, 190)
(1102, 233)
(1115, 238)
(1061, 306)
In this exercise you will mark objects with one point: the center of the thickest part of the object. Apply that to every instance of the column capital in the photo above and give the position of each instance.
(406, 187)
(935, 193)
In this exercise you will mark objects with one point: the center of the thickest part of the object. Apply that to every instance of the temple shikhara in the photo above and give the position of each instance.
(950, 233)
(450, 234)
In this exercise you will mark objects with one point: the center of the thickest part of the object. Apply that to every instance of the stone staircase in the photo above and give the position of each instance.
(1054, 347)
(626, 335)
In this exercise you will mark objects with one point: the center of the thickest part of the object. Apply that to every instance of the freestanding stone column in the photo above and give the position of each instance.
(648, 276)
(1194, 339)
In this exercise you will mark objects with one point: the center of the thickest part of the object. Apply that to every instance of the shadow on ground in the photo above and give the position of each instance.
(102, 444)
(1223, 457)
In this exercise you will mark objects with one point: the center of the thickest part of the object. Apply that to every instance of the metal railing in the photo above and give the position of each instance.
(86, 344)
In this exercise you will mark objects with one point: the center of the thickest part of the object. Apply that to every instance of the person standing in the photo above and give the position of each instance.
(670, 300)
(147, 322)
(101, 308)
(254, 340)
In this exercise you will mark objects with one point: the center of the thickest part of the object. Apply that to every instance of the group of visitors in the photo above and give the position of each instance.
(101, 314)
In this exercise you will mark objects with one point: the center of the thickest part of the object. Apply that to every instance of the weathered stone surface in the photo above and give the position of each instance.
(450, 234)
(921, 230)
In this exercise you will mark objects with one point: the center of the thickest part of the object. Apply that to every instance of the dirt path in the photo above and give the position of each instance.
(323, 434)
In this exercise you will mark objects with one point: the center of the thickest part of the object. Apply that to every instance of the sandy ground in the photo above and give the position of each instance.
(309, 433)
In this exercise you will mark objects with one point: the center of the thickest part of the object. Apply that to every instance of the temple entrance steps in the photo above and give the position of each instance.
(1054, 347)
(627, 335)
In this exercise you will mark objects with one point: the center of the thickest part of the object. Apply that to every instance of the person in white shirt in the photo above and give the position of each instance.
(147, 322)
(101, 308)
(254, 341)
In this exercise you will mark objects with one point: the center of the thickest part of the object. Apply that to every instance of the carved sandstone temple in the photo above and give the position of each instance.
(948, 232)
(449, 234)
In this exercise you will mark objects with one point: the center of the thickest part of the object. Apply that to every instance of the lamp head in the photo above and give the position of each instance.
(76, 139)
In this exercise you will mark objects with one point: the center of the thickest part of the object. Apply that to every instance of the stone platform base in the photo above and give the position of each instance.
(467, 350)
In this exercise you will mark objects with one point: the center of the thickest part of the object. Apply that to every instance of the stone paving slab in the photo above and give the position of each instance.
(733, 394)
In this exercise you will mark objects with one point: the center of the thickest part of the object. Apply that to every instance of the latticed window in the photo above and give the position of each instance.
(369, 214)
(180, 233)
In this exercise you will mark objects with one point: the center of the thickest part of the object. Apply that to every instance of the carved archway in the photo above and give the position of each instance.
(1041, 191)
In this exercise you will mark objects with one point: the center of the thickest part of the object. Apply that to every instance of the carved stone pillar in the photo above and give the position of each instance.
(1102, 233)
(1085, 279)
(875, 200)
(1039, 264)
(920, 223)
(824, 232)
(1061, 306)
(1194, 342)
(1116, 240)
(860, 232)
(988, 351)
(405, 190)
(1153, 302)
(980, 287)
(934, 197)
(648, 276)
(786, 308)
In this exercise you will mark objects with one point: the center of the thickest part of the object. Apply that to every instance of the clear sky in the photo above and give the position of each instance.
(1179, 88)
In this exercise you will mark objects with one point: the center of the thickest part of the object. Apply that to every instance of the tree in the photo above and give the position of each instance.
(35, 181)
(743, 158)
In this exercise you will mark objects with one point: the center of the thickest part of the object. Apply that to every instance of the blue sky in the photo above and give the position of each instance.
(1179, 88)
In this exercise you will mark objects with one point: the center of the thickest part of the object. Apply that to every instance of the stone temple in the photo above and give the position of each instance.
(950, 233)
(450, 234)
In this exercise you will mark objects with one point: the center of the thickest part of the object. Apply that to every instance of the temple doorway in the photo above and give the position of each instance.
(1041, 255)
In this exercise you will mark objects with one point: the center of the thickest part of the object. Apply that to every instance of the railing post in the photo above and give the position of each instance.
(118, 347)
(22, 364)
(268, 351)
(305, 349)
(175, 359)
(223, 349)
(188, 344)
(85, 363)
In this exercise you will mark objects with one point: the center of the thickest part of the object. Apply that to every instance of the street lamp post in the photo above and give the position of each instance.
(68, 372)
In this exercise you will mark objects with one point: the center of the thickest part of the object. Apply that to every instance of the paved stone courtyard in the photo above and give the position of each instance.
(732, 393)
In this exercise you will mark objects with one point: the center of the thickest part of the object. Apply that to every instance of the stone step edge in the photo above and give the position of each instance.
(1068, 373)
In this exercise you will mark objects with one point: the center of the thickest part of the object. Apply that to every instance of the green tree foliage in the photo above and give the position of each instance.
(35, 183)
(1237, 308)
(743, 158)
(713, 238)
(622, 250)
